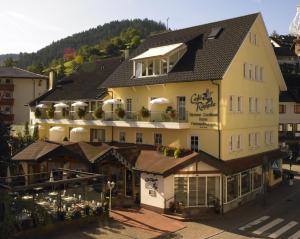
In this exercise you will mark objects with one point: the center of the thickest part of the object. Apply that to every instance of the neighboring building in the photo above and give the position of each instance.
(17, 88)
(211, 91)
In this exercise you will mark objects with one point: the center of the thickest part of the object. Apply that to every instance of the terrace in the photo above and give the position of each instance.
(52, 198)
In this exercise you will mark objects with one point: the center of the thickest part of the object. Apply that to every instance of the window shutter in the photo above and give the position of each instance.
(230, 144)
(261, 73)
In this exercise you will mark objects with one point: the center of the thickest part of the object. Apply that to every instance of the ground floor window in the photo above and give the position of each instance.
(194, 143)
(193, 191)
(245, 182)
(257, 177)
(97, 135)
(232, 187)
(157, 139)
(139, 138)
(122, 137)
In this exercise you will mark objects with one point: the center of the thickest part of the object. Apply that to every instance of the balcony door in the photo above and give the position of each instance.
(181, 108)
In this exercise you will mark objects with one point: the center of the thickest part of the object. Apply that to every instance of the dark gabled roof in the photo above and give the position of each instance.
(15, 72)
(204, 59)
(293, 89)
(83, 84)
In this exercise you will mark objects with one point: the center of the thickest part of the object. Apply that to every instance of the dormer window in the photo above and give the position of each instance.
(157, 61)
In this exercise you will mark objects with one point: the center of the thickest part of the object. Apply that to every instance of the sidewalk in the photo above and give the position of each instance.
(148, 221)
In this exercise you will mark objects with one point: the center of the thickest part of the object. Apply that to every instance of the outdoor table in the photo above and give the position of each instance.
(27, 197)
(42, 203)
(69, 199)
(38, 189)
(53, 194)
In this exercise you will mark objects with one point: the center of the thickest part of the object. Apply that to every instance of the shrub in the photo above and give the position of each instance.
(177, 153)
(120, 112)
(37, 113)
(81, 113)
(145, 112)
(171, 112)
(99, 113)
(50, 113)
(166, 151)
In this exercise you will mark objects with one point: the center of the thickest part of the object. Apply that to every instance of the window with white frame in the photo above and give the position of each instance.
(232, 187)
(245, 182)
(289, 127)
(253, 104)
(194, 143)
(269, 105)
(139, 138)
(122, 137)
(97, 135)
(239, 104)
(157, 139)
(193, 191)
(128, 105)
(252, 140)
(235, 143)
(257, 139)
(231, 103)
(269, 137)
(157, 65)
(253, 38)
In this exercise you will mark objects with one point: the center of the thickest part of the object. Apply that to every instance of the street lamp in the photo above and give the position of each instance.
(110, 185)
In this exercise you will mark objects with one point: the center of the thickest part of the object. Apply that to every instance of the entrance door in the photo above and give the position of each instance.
(97, 135)
(181, 108)
(194, 143)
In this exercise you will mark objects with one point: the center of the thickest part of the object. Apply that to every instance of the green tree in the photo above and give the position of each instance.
(9, 62)
(36, 68)
(61, 71)
(4, 145)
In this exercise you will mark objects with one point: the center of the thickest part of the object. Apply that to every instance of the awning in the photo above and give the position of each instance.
(112, 102)
(61, 105)
(42, 106)
(78, 130)
(158, 51)
(57, 129)
(79, 104)
(159, 101)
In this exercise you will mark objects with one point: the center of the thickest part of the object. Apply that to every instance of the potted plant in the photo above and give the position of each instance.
(99, 113)
(177, 153)
(50, 113)
(171, 112)
(81, 113)
(145, 113)
(120, 112)
(37, 113)
(166, 151)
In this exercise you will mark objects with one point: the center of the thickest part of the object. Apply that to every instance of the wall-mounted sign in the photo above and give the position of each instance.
(151, 183)
(203, 101)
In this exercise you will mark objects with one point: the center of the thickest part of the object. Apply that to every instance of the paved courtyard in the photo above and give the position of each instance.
(278, 218)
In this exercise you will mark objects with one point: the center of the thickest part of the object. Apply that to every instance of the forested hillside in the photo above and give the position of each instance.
(103, 36)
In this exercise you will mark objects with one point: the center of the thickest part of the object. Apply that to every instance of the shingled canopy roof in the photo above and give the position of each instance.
(82, 85)
(15, 72)
(205, 59)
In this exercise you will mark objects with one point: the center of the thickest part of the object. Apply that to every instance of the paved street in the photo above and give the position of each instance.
(280, 218)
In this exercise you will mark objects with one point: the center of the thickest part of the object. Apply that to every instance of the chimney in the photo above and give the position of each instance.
(126, 53)
(51, 80)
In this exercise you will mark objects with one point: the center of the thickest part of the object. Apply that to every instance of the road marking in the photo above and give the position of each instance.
(268, 226)
(295, 235)
(283, 229)
(253, 223)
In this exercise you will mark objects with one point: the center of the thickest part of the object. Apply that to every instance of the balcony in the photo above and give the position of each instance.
(6, 101)
(7, 87)
(130, 119)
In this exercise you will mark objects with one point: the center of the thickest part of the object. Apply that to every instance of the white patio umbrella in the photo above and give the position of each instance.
(57, 129)
(78, 130)
(79, 104)
(112, 102)
(159, 101)
(42, 106)
(61, 105)
(8, 175)
(51, 179)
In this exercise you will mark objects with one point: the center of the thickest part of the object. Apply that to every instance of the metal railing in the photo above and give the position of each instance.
(154, 116)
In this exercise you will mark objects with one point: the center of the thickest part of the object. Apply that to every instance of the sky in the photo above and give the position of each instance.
(29, 25)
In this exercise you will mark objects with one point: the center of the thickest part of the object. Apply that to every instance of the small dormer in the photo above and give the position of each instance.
(158, 60)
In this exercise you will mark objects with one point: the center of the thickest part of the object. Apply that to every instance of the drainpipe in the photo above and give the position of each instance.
(219, 130)
(112, 110)
(219, 146)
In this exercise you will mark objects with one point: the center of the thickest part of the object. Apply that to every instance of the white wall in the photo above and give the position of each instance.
(159, 199)
(25, 90)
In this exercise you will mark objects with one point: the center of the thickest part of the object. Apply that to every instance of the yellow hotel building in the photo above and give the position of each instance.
(201, 106)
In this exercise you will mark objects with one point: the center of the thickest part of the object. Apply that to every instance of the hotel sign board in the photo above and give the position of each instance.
(201, 118)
